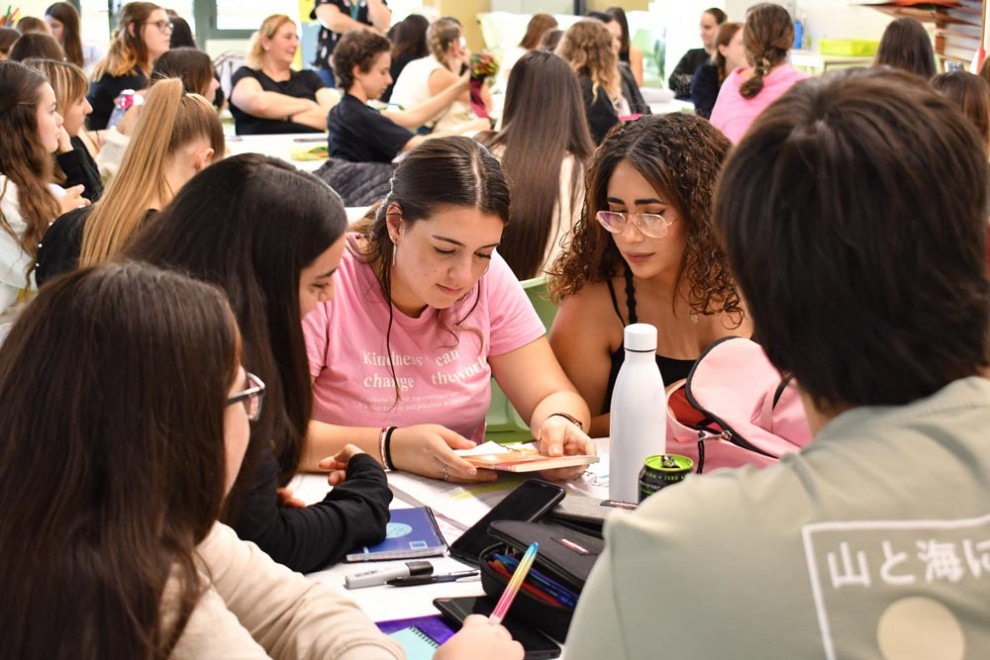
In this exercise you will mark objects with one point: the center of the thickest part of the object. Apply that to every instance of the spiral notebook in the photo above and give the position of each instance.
(419, 636)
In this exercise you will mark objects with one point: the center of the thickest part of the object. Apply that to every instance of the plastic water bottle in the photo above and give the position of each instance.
(638, 426)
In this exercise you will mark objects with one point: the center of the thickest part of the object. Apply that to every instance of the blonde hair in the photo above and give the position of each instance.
(170, 119)
(70, 86)
(587, 47)
(127, 51)
(255, 58)
(67, 80)
(441, 34)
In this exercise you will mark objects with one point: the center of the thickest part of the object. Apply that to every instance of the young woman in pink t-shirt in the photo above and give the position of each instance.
(425, 312)
(768, 37)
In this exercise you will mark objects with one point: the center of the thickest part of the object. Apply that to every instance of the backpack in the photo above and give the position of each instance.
(735, 409)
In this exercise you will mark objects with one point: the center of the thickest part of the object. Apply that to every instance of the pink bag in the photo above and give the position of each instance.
(740, 411)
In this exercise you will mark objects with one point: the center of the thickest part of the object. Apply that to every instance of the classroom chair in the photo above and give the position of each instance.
(502, 423)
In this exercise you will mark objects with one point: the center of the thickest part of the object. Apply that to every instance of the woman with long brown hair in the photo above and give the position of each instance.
(180, 136)
(539, 25)
(74, 159)
(544, 156)
(143, 33)
(587, 47)
(905, 45)
(768, 37)
(63, 19)
(425, 313)
(273, 273)
(408, 38)
(29, 201)
(133, 419)
(644, 250)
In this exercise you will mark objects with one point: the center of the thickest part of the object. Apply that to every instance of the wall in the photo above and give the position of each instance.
(466, 11)
(832, 19)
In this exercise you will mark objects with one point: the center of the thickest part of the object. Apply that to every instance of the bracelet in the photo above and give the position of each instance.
(570, 418)
(381, 446)
(387, 449)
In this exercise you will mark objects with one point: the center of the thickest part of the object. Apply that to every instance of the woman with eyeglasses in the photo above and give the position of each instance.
(143, 33)
(644, 251)
(268, 95)
(272, 237)
(426, 312)
(114, 472)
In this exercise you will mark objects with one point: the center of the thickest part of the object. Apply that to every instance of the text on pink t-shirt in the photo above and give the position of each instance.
(442, 372)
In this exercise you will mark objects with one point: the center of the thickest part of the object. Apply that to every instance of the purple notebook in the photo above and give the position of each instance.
(419, 636)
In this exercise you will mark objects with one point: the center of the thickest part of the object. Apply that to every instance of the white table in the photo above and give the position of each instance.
(279, 145)
(384, 603)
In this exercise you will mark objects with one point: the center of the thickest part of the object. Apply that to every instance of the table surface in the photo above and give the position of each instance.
(384, 603)
(279, 145)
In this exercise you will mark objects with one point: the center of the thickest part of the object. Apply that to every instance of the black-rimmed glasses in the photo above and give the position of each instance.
(163, 26)
(253, 397)
(650, 224)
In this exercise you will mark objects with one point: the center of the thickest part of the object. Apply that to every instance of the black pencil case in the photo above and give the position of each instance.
(565, 556)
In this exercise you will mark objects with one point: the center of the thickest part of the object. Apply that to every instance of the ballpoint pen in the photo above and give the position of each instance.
(414, 580)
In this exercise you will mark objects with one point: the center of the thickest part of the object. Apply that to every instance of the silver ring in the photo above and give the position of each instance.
(445, 475)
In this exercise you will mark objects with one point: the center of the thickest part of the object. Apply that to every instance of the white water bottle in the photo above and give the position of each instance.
(638, 420)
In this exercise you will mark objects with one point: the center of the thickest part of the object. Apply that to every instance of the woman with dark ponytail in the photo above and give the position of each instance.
(768, 37)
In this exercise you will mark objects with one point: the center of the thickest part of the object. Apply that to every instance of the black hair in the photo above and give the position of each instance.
(865, 278)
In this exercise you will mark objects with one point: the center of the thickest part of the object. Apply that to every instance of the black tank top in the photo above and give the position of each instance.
(671, 369)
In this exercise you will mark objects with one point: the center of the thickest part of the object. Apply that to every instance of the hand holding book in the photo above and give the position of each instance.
(521, 458)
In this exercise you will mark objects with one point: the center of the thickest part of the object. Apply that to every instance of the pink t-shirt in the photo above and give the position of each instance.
(444, 377)
(734, 114)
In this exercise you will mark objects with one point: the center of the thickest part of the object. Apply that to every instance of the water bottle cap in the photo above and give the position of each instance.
(640, 337)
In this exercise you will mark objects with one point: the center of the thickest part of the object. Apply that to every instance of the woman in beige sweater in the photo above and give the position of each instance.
(133, 418)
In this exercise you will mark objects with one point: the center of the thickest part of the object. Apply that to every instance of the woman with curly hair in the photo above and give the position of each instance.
(587, 47)
(645, 248)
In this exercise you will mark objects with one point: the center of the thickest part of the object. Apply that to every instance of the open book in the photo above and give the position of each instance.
(519, 458)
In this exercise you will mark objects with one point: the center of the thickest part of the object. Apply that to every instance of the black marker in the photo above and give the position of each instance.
(415, 580)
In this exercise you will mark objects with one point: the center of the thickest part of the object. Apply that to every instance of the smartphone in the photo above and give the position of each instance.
(526, 503)
(536, 645)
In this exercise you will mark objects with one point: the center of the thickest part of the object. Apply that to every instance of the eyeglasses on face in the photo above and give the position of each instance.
(163, 26)
(253, 397)
(650, 224)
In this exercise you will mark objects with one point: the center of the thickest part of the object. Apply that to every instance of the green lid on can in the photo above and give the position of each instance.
(669, 463)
